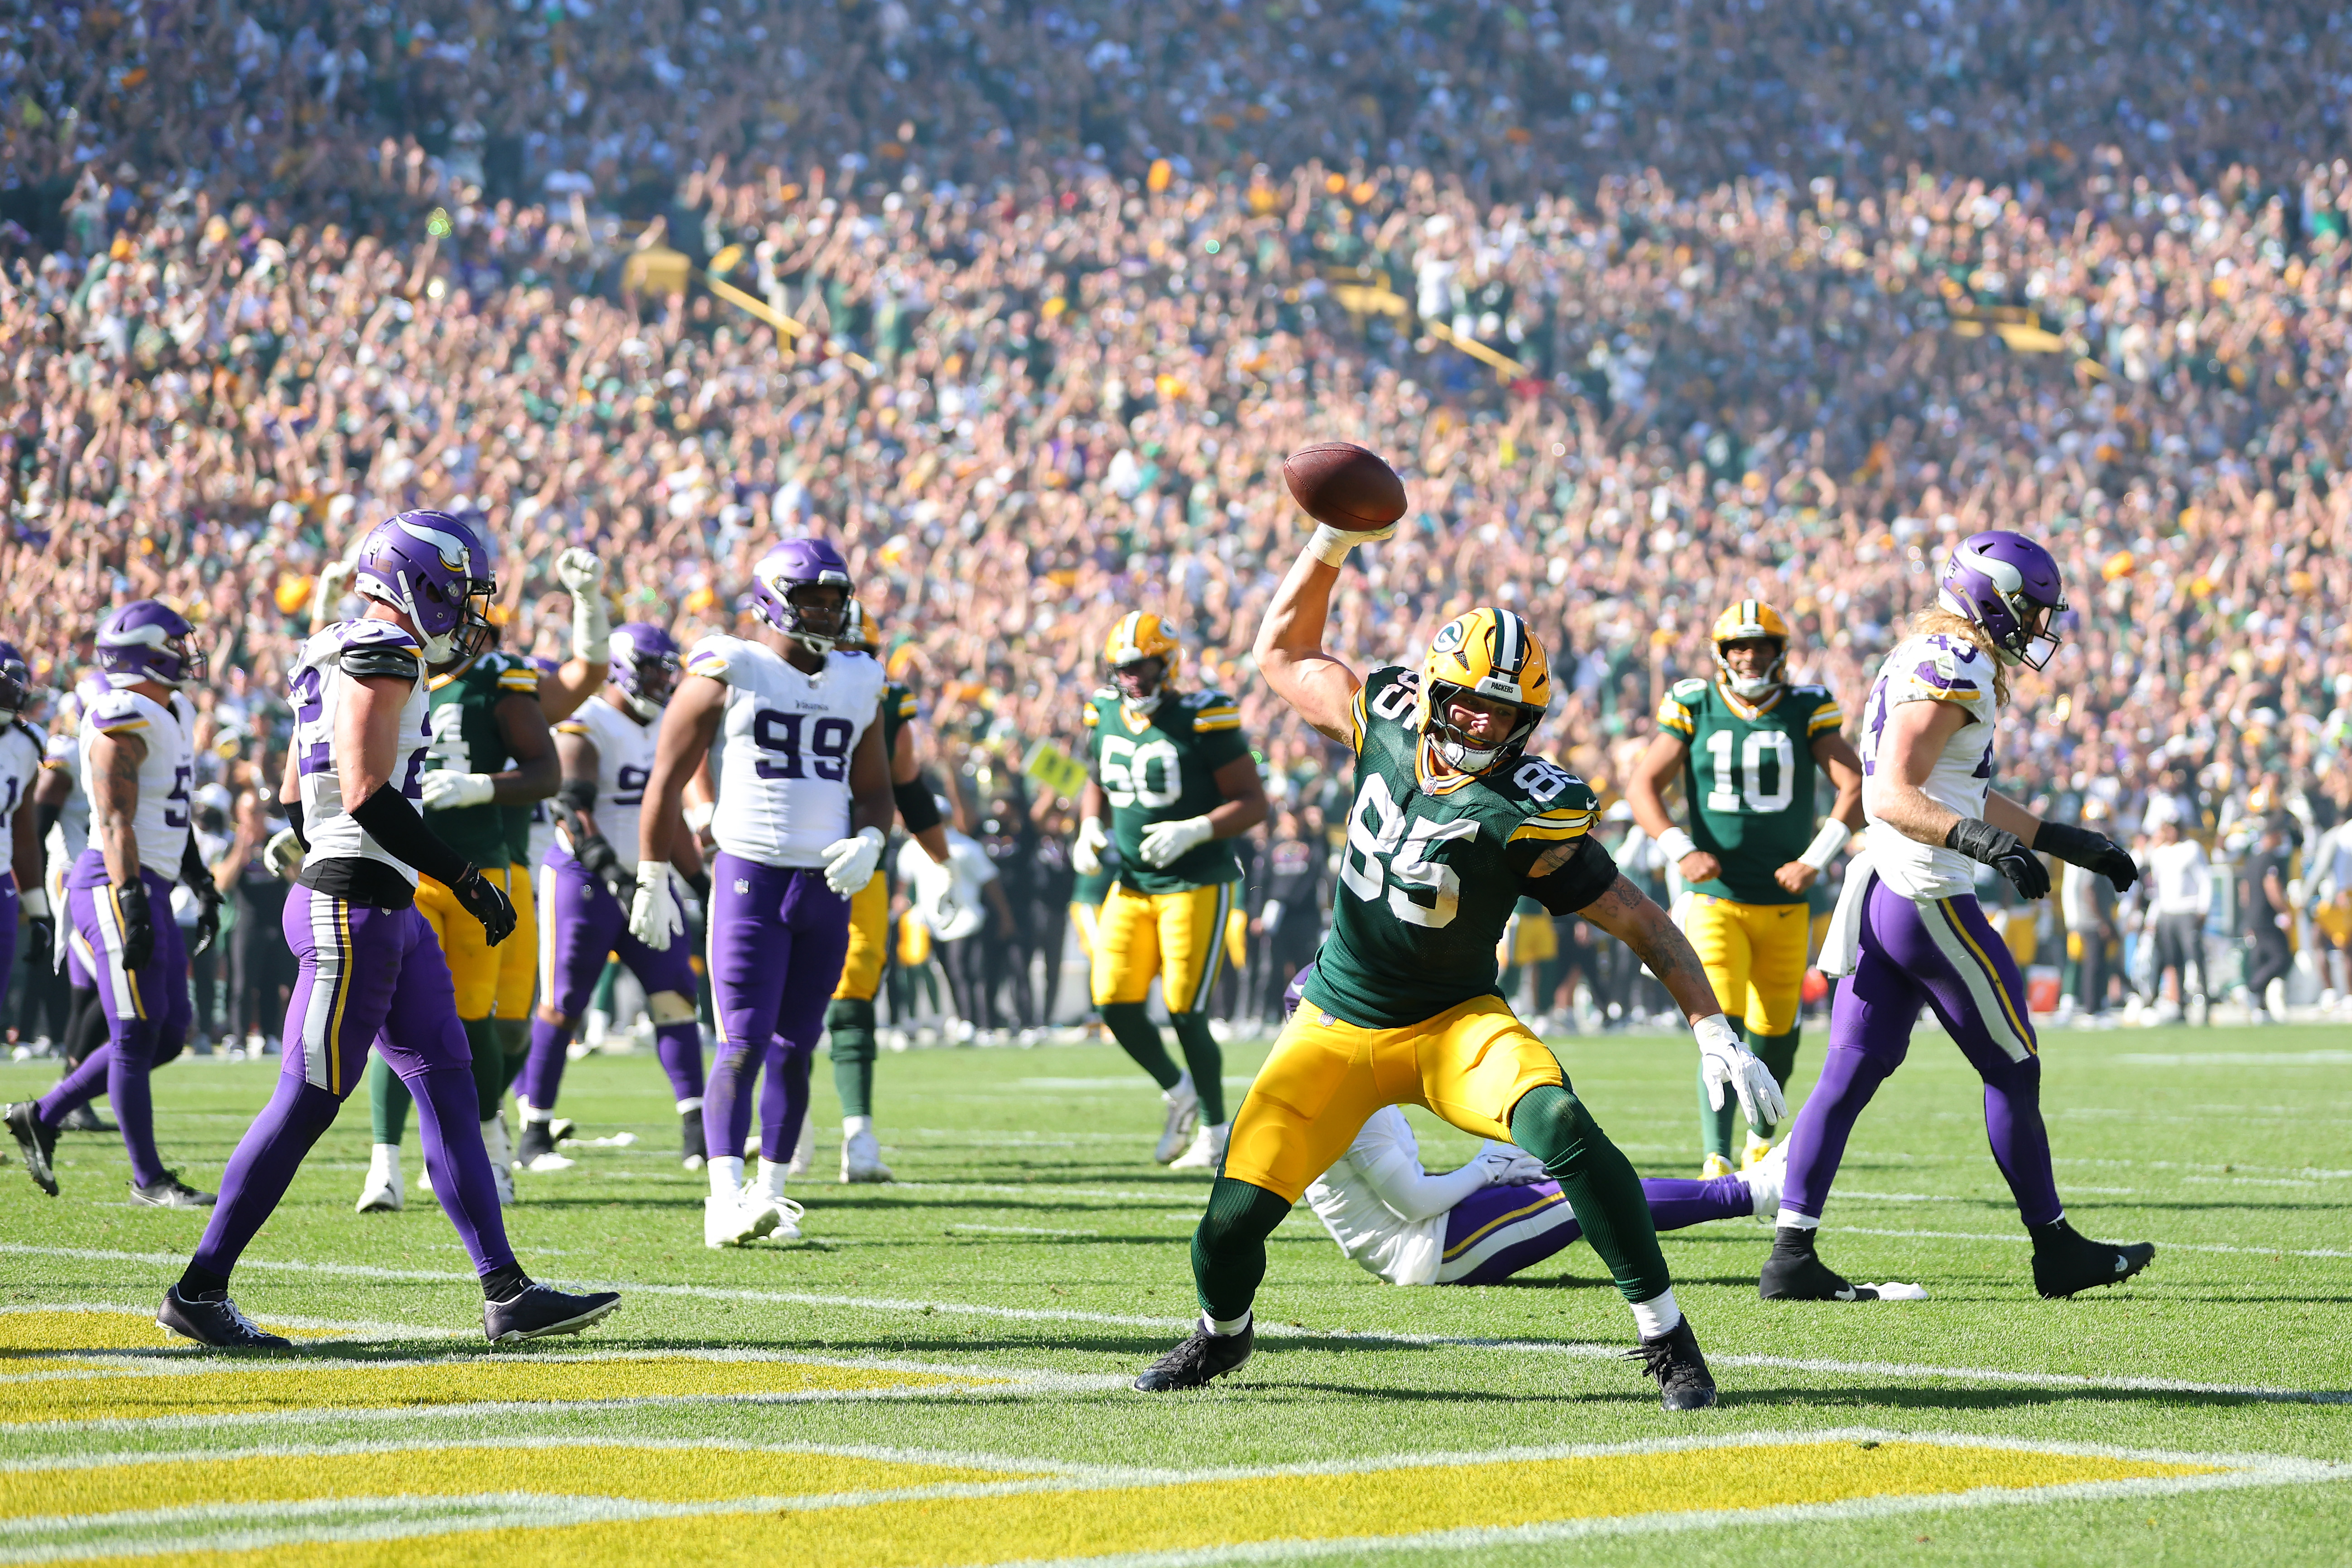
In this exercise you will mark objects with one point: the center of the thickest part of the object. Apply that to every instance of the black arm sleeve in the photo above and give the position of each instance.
(293, 810)
(195, 875)
(45, 817)
(916, 807)
(363, 662)
(580, 794)
(391, 821)
(1578, 881)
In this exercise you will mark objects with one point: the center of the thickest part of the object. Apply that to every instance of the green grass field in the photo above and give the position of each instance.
(936, 1375)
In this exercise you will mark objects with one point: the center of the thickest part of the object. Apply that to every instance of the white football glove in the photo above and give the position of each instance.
(334, 582)
(1330, 546)
(446, 791)
(849, 862)
(283, 853)
(1086, 855)
(582, 572)
(1165, 843)
(655, 918)
(1724, 1063)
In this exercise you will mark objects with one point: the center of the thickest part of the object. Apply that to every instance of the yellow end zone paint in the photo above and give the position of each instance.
(646, 1474)
(55, 1330)
(1092, 1518)
(217, 1386)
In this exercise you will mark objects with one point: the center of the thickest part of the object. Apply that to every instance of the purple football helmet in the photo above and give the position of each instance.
(16, 682)
(784, 579)
(2010, 587)
(147, 639)
(645, 665)
(435, 570)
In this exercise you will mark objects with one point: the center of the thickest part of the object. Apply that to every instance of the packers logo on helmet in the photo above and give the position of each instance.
(1489, 653)
(1751, 621)
(1139, 639)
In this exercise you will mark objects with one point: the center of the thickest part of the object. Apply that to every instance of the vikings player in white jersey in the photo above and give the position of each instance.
(138, 759)
(606, 750)
(1909, 933)
(803, 806)
(22, 747)
(370, 972)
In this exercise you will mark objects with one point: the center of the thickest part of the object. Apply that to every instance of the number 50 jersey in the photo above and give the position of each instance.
(783, 747)
(1161, 767)
(1432, 870)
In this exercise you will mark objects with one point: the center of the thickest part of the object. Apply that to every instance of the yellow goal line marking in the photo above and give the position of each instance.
(1269, 1330)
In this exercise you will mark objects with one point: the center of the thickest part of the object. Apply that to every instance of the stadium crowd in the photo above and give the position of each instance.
(1647, 323)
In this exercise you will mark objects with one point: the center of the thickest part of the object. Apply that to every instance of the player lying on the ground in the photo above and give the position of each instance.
(1909, 933)
(369, 975)
(1450, 825)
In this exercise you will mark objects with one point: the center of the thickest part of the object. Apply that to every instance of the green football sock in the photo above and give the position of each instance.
(849, 1036)
(1204, 1061)
(1229, 1246)
(1717, 1126)
(514, 1050)
(1131, 1024)
(1552, 1124)
(387, 1101)
(489, 1065)
(599, 998)
(1777, 1052)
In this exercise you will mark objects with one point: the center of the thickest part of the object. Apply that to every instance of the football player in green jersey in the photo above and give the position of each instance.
(1450, 824)
(1176, 776)
(1745, 745)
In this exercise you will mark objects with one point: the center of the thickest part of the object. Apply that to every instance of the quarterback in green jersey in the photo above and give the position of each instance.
(1177, 778)
(1747, 747)
(1451, 822)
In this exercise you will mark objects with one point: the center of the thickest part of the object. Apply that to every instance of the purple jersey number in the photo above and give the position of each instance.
(827, 749)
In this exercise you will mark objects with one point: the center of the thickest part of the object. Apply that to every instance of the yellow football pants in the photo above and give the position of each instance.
(477, 971)
(1755, 957)
(1469, 1064)
(519, 954)
(1178, 936)
(870, 937)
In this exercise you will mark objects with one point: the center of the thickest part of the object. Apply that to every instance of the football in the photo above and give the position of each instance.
(1341, 483)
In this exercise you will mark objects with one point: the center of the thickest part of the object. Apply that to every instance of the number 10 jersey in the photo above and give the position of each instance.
(1430, 871)
(1749, 779)
(783, 747)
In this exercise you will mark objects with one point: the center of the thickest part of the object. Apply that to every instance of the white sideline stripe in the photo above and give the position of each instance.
(2161, 1246)
(416, 1516)
(194, 1362)
(2236, 1058)
(1278, 1330)
(944, 1458)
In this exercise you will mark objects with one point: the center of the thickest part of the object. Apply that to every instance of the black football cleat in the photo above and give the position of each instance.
(1193, 1363)
(1674, 1360)
(215, 1321)
(690, 1132)
(36, 1140)
(2066, 1261)
(84, 1118)
(171, 1193)
(536, 1310)
(1794, 1272)
(536, 1142)
(561, 1128)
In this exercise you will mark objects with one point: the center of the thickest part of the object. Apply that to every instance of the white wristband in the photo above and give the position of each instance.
(1826, 843)
(1674, 843)
(1331, 546)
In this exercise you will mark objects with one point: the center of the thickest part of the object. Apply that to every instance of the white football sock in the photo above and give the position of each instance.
(1795, 1221)
(727, 1176)
(853, 1125)
(691, 1102)
(1226, 1325)
(772, 1178)
(532, 1113)
(1657, 1315)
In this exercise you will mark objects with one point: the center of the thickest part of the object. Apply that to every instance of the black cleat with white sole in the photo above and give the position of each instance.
(2065, 1261)
(1794, 1272)
(84, 1118)
(1674, 1360)
(36, 1141)
(1197, 1361)
(214, 1320)
(536, 1310)
(171, 1193)
(536, 1142)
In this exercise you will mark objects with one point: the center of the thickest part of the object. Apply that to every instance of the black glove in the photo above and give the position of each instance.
(600, 860)
(2092, 851)
(45, 934)
(138, 924)
(207, 927)
(486, 904)
(2004, 851)
(699, 885)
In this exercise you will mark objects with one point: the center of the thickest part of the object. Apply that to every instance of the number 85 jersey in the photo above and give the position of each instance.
(1431, 870)
(784, 742)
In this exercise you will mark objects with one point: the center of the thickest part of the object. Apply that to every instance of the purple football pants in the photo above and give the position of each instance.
(778, 936)
(580, 925)
(10, 912)
(1498, 1230)
(1942, 955)
(147, 1010)
(365, 978)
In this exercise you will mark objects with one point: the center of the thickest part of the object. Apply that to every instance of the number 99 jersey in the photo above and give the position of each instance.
(783, 747)
(1748, 777)
(1161, 767)
(1430, 871)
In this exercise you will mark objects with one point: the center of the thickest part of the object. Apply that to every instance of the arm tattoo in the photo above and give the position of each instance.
(114, 791)
(1625, 913)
